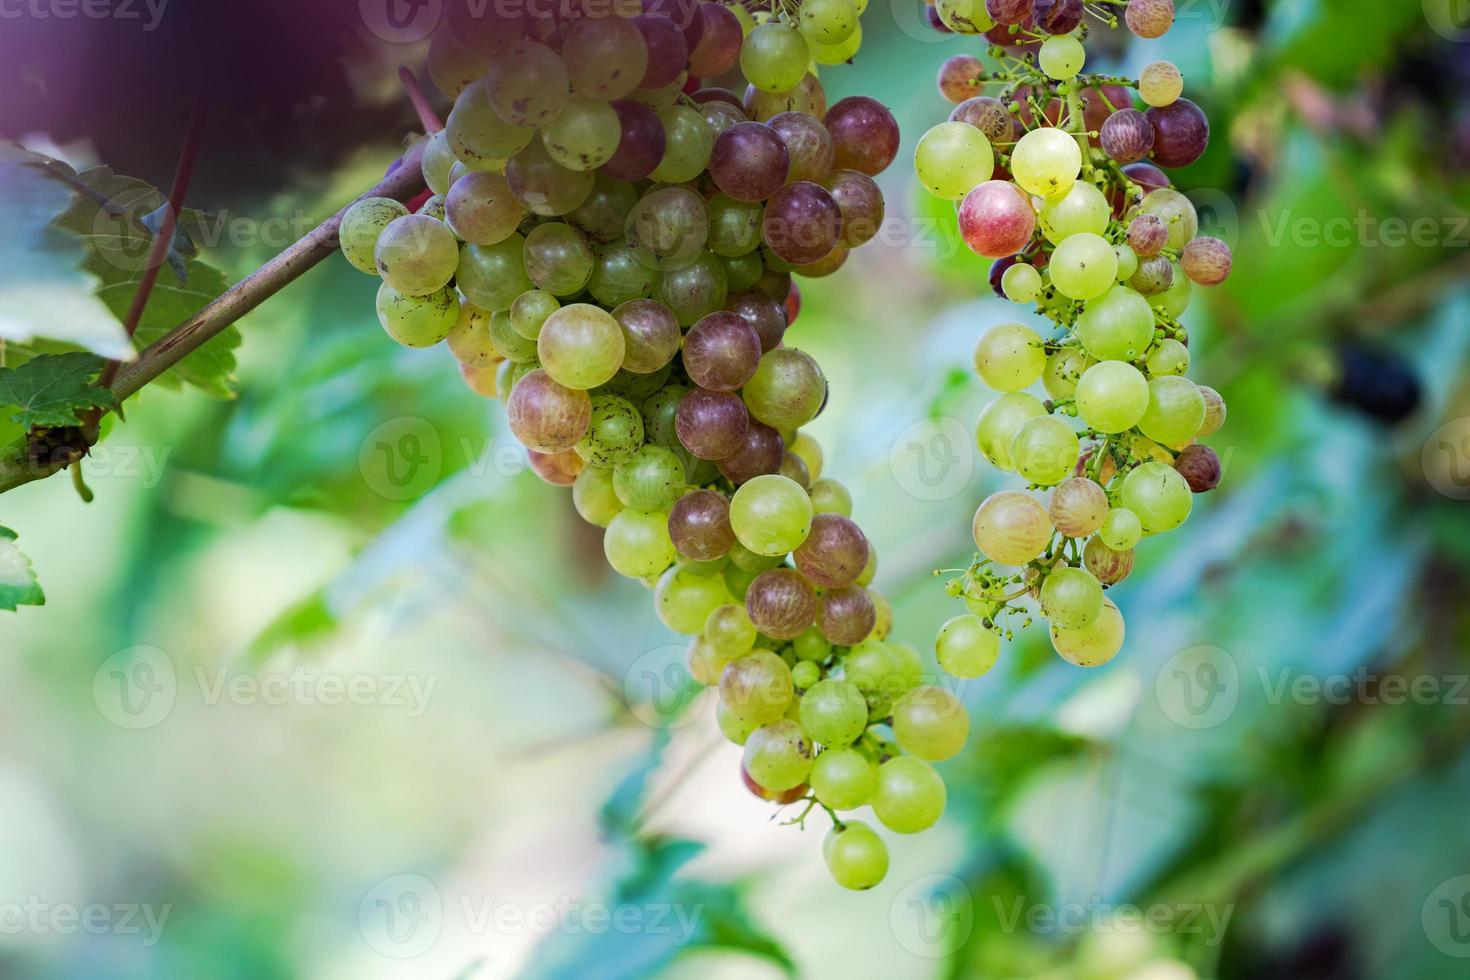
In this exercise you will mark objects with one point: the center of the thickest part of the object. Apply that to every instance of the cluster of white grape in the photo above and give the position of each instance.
(1057, 176)
(610, 248)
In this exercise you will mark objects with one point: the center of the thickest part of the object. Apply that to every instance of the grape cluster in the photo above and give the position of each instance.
(1057, 176)
(610, 249)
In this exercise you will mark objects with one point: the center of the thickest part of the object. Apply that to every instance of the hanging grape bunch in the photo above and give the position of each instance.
(1060, 179)
(610, 249)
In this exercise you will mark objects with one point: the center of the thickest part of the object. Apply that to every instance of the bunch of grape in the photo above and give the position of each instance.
(1058, 177)
(610, 248)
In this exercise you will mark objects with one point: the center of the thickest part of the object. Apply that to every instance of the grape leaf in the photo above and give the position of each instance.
(44, 289)
(52, 389)
(18, 584)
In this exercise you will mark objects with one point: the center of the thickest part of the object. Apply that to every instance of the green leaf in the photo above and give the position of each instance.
(52, 389)
(309, 620)
(18, 584)
(44, 290)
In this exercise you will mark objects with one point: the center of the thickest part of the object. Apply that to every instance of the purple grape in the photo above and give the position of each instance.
(847, 615)
(781, 604)
(1057, 16)
(1181, 133)
(547, 417)
(699, 525)
(1207, 261)
(711, 424)
(864, 135)
(802, 223)
(808, 144)
(651, 335)
(761, 454)
(749, 162)
(1200, 468)
(834, 553)
(989, 115)
(1147, 235)
(1146, 175)
(721, 351)
(1008, 11)
(860, 202)
(767, 316)
(931, 14)
(718, 95)
(959, 77)
(642, 147)
(667, 50)
(1127, 136)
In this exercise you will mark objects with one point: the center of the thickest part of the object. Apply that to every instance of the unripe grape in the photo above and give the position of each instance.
(1116, 326)
(834, 713)
(1092, 645)
(996, 220)
(1112, 396)
(952, 158)
(1084, 267)
(1010, 357)
(595, 497)
(558, 259)
(910, 796)
(787, 390)
(705, 662)
(362, 226)
(417, 255)
(1071, 597)
(804, 674)
(778, 756)
(771, 515)
(1012, 528)
(732, 726)
(605, 57)
(1149, 18)
(774, 57)
(1127, 262)
(1110, 567)
(492, 276)
(730, 631)
(688, 142)
(757, 687)
(1200, 468)
(873, 670)
(527, 84)
(1176, 211)
(1046, 161)
(581, 346)
(637, 545)
(1167, 357)
(1158, 495)
(1173, 301)
(1062, 57)
(1064, 369)
(830, 497)
(1215, 412)
(1160, 83)
(843, 778)
(584, 135)
(614, 434)
(652, 479)
(417, 321)
(1078, 507)
(1021, 283)
(1045, 450)
(810, 452)
(998, 423)
(965, 648)
(828, 21)
(1082, 210)
(684, 598)
(1121, 530)
(1176, 411)
(855, 856)
(1207, 261)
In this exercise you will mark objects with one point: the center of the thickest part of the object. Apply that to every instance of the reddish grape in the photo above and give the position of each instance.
(989, 115)
(718, 95)
(667, 50)
(558, 469)
(1150, 18)
(996, 219)
(1181, 133)
(699, 525)
(847, 615)
(718, 47)
(721, 351)
(864, 134)
(1200, 468)
(643, 143)
(767, 316)
(711, 424)
(959, 77)
(1127, 136)
(834, 553)
(1147, 176)
(1207, 261)
(749, 162)
(1008, 11)
(762, 453)
(545, 416)
(781, 604)
(1147, 235)
(651, 335)
(802, 223)
(808, 144)
(861, 204)
(1057, 16)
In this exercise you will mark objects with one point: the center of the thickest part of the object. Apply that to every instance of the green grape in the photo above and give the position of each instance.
(637, 545)
(606, 57)
(1158, 495)
(615, 434)
(1092, 645)
(1167, 357)
(811, 646)
(810, 453)
(602, 216)
(688, 141)
(999, 423)
(1071, 597)
(855, 855)
(839, 53)
(619, 277)
(1061, 57)
(363, 225)
(693, 293)
(1173, 301)
(808, 96)
(843, 779)
(706, 664)
(544, 186)
(684, 598)
(734, 227)
(1021, 283)
(530, 311)
(1116, 326)
(774, 57)
(1084, 267)
(482, 210)
(435, 207)
(930, 723)
(417, 255)
(669, 227)
(757, 686)
(584, 135)
(787, 390)
(742, 272)
(438, 159)
(1176, 211)
(1064, 370)
(470, 341)
(771, 515)
(834, 713)
(1012, 528)
(1047, 161)
(729, 630)
(828, 21)
(805, 675)
(965, 648)
(732, 726)
(478, 137)
(558, 258)
(492, 276)
(581, 346)
(1176, 411)
(595, 497)
(417, 321)
(872, 668)
(964, 16)
(1112, 396)
(454, 66)
(527, 84)
(664, 96)
(1215, 412)
(1083, 210)
(1010, 356)
(1121, 530)
(830, 497)
(652, 479)
(952, 159)
(507, 343)
(1127, 262)
(1045, 450)
(908, 666)
(910, 795)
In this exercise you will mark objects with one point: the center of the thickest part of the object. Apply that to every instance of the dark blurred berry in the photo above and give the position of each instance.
(1377, 382)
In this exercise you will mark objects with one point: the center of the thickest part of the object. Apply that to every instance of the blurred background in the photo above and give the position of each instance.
(330, 685)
